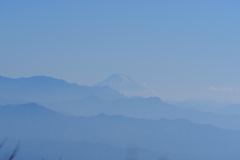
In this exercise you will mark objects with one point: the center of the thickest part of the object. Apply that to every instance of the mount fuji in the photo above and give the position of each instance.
(125, 85)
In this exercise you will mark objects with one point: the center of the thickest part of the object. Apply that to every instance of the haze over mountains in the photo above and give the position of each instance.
(122, 65)
(202, 105)
(148, 108)
(97, 123)
(162, 136)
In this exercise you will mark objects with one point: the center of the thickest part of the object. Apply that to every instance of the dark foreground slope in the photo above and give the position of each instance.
(34, 122)
(47, 89)
(52, 150)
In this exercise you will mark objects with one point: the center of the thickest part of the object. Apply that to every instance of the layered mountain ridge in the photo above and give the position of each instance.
(48, 89)
(171, 136)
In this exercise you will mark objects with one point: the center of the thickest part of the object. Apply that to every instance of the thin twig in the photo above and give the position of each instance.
(1, 145)
(15, 151)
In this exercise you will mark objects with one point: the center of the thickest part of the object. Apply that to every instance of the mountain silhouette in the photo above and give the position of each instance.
(26, 110)
(48, 89)
(149, 108)
(173, 136)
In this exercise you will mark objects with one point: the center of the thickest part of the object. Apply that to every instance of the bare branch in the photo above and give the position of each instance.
(15, 151)
(1, 145)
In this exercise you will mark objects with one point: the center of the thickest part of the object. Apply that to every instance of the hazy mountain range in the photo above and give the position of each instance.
(148, 108)
(97, 123)
(202, 105)
(34, 122)
(225, 108)
(47, 89)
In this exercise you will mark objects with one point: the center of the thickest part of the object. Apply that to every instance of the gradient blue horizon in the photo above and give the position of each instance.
(180, 49)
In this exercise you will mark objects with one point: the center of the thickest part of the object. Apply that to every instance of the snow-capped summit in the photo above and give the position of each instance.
(123, 84)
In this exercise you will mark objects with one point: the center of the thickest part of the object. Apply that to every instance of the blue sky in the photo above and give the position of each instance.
(181, 49)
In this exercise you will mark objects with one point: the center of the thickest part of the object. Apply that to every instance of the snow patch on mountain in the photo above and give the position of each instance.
(126, 85)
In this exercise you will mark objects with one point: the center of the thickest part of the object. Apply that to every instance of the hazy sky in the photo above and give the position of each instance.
(181, 49)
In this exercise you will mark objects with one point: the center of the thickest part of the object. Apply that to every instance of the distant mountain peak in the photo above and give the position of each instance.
(122, 83)
(126, 85)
